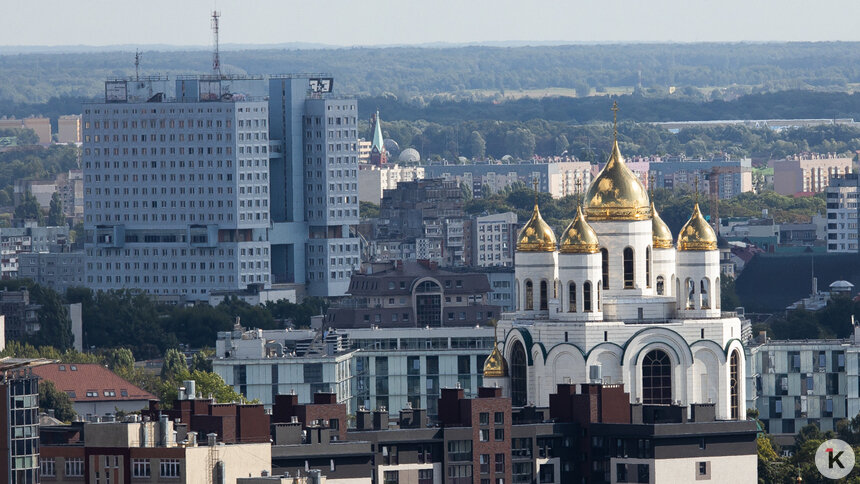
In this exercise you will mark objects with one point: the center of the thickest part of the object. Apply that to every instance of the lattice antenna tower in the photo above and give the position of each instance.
(216, 57)
(136, 65)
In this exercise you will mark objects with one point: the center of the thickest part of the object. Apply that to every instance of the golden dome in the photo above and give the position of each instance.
(616, 193)
(495, 365)
(661, 235)
(536, 235)
(697, 233)
(579, 237)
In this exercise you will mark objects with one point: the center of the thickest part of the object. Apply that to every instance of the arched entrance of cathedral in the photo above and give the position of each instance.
(518, 362)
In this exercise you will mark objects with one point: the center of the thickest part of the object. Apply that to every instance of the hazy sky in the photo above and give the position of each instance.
(373, 22)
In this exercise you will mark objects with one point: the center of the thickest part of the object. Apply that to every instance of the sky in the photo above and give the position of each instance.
(394, 22)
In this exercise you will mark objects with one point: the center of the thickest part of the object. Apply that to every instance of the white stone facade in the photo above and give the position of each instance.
(654, 323)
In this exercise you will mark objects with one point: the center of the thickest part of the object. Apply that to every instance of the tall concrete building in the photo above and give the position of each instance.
(314, 186)
(232, 182)
(177, 190)
(842, 211)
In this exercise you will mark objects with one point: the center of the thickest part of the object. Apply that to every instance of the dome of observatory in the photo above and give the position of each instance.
(409, 155)
(391, 146)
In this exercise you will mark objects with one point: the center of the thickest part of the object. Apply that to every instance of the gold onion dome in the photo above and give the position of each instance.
(697, 233)
(495, 365)
(536, 235)
(579, 237)
(662, 236)
(616, 193)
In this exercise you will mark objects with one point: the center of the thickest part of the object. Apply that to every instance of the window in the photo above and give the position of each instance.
(390, 477)
(547, 473)
(648, 266)
(530, 304)
(543, 296)
(500, 463)
(605, 266)
(140, 468)
(170, 468)
(484, 435)
(459, 450)
(499, 434)
(484, 418)
(74, 467)
(460, 474)
(628, 268)
(660, 286)
(734, 384)
(518, 368)
(571, 297)
(703, 471)
(425, 476)
(586, 296)
(499, 418)
(705, 294)
(46, 465)
(656, 378)
(484, 460)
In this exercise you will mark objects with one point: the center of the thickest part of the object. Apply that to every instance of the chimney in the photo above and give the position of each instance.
(211, 439)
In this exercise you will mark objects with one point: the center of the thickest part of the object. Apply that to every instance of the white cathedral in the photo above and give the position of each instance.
(616, 301)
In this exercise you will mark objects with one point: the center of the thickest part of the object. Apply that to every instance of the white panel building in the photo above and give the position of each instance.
(177, 191)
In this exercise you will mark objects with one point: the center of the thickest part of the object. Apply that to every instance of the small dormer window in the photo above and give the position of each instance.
(62, 367)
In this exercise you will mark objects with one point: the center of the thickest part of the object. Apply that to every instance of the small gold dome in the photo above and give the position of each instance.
(697, 233)
(661, 235)
(495, 366)
(536, 235)
(579, 237)
(617, 193)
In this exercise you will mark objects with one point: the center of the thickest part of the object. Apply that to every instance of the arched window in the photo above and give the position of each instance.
(691, 293)
(586, 297)
(656, 378)
(530, 296)
(648, 266)
(735, 384)
(519, 392)
(543, 296)
(571, 297)
(604, 254)
(660, 286)
(678, 292)
(705, 294)
(628, 268)
(598, 295)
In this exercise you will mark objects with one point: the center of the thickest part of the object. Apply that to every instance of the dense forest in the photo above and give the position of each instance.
(468, 72)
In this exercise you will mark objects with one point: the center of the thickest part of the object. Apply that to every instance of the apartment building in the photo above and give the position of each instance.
(374, 180)
(796, 383)
(19, 409)
(842, 211)
(558, 178)
(808, 172)
(494, 239)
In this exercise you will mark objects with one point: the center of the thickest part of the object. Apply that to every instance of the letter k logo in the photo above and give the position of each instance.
(834, 458)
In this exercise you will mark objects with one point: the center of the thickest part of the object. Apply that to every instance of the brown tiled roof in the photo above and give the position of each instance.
(90, 383)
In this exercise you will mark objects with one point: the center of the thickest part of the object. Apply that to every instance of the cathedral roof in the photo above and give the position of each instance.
(617, 193)
(662, 236)
(697, 233)
(579, 237)
(536, 235)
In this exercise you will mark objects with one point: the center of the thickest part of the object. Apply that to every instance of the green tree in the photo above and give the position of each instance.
(29, 209)
(202, 360)
(174, 365)
(520, 143)
(477, 146)
(55, 211)
(52, 399)
(728, 296)
(367, 210)
(55, 327)
(561, 144)
(120, 361)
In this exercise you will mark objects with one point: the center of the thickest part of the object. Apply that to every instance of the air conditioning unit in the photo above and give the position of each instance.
(822, 370)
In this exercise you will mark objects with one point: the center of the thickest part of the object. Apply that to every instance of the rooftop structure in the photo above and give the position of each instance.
(94, 389)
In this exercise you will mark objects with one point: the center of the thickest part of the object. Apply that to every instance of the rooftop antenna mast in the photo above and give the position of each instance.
(216, 58)
(136, 65)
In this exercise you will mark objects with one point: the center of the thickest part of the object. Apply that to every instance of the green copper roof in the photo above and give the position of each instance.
(377, 135)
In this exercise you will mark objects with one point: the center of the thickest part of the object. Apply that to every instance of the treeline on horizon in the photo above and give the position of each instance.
(420, 71)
